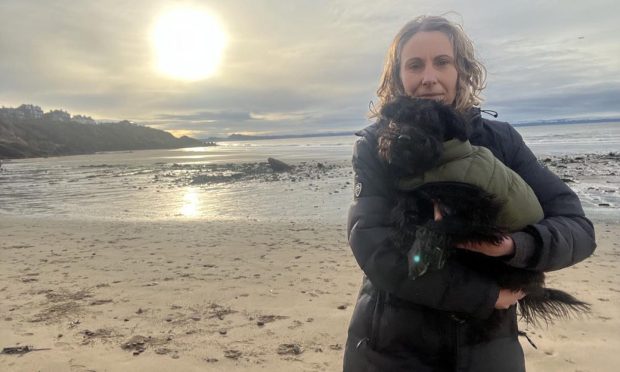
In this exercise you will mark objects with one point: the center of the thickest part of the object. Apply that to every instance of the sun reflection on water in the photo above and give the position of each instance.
(191, 202)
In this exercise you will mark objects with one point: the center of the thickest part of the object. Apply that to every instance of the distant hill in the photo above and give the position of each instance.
(566, 121)
(245, 137)
(24, 136)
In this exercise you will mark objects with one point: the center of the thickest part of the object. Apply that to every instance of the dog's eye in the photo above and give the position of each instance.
(404, 138)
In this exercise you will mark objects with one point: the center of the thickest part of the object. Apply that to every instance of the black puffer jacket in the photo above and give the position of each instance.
(420, 325)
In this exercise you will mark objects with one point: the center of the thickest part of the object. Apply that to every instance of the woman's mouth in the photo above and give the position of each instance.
(436, 97)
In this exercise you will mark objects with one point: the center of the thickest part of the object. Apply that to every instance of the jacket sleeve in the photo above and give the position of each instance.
(454, 288)
(564, 236)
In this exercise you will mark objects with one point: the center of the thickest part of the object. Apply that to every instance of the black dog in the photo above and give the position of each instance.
(411, 140)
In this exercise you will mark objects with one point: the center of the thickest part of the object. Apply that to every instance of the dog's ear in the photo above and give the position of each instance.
(397, 109)
(455, 125)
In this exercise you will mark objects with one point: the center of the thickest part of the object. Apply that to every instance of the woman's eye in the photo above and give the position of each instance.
(443, 62)
(415, 66)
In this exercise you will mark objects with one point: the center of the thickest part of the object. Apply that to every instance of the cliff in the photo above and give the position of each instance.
(46, 136)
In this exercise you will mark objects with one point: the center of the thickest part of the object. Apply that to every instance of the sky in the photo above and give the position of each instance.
(299, 66)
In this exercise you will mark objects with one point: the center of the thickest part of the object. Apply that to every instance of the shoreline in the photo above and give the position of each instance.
(595, 178)
(198, 191)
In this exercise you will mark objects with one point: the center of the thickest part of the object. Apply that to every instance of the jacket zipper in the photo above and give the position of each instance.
(457, 335)
(376, 319)
(456, 346)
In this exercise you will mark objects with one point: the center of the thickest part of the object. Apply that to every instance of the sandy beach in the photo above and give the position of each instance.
(230, 296)
(203, 296)
(92, 282)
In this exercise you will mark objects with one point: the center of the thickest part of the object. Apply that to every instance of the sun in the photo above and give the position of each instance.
(188, 43)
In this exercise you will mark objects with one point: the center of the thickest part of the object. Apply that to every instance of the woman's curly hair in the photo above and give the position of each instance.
(471, 73)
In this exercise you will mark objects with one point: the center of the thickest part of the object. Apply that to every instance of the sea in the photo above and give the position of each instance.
(232, 182)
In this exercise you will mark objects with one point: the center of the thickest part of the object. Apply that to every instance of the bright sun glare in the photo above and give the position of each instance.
(188, 43)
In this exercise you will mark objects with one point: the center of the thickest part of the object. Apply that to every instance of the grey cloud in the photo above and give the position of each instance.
(207, 116)
(299, 66)
(343, 119)
(581, 104)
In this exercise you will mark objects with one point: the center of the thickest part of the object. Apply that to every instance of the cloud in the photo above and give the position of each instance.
(587, 102)
(207, 116)
(307, 66)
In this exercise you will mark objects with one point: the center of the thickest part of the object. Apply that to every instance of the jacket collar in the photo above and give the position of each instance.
(474, 118)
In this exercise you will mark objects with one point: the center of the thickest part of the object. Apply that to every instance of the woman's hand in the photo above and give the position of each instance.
(507, 298)
(437, 211)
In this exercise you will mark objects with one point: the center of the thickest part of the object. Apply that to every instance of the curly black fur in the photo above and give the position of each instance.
(411, 136)
(411, 150)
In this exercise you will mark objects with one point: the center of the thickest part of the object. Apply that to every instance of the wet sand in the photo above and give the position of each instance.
(230, 296)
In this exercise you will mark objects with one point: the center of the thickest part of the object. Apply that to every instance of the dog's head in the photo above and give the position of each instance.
(412, 132)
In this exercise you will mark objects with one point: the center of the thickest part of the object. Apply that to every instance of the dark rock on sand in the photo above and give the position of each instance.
(232, 354)
(294, 349)
(278, 165)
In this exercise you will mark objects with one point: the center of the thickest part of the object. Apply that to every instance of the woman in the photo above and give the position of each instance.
(420, 325)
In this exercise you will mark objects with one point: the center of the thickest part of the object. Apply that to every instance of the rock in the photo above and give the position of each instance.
(19, 350)
(294, 349)
(136, 343)
(162, 351)
(604, 205)
(278, 165)
(100, 302)
(232, 354)
(270, 318)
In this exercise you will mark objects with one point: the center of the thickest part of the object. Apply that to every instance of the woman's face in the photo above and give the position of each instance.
(427, 68)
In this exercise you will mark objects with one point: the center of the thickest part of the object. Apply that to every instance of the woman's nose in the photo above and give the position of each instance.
(429, 77)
